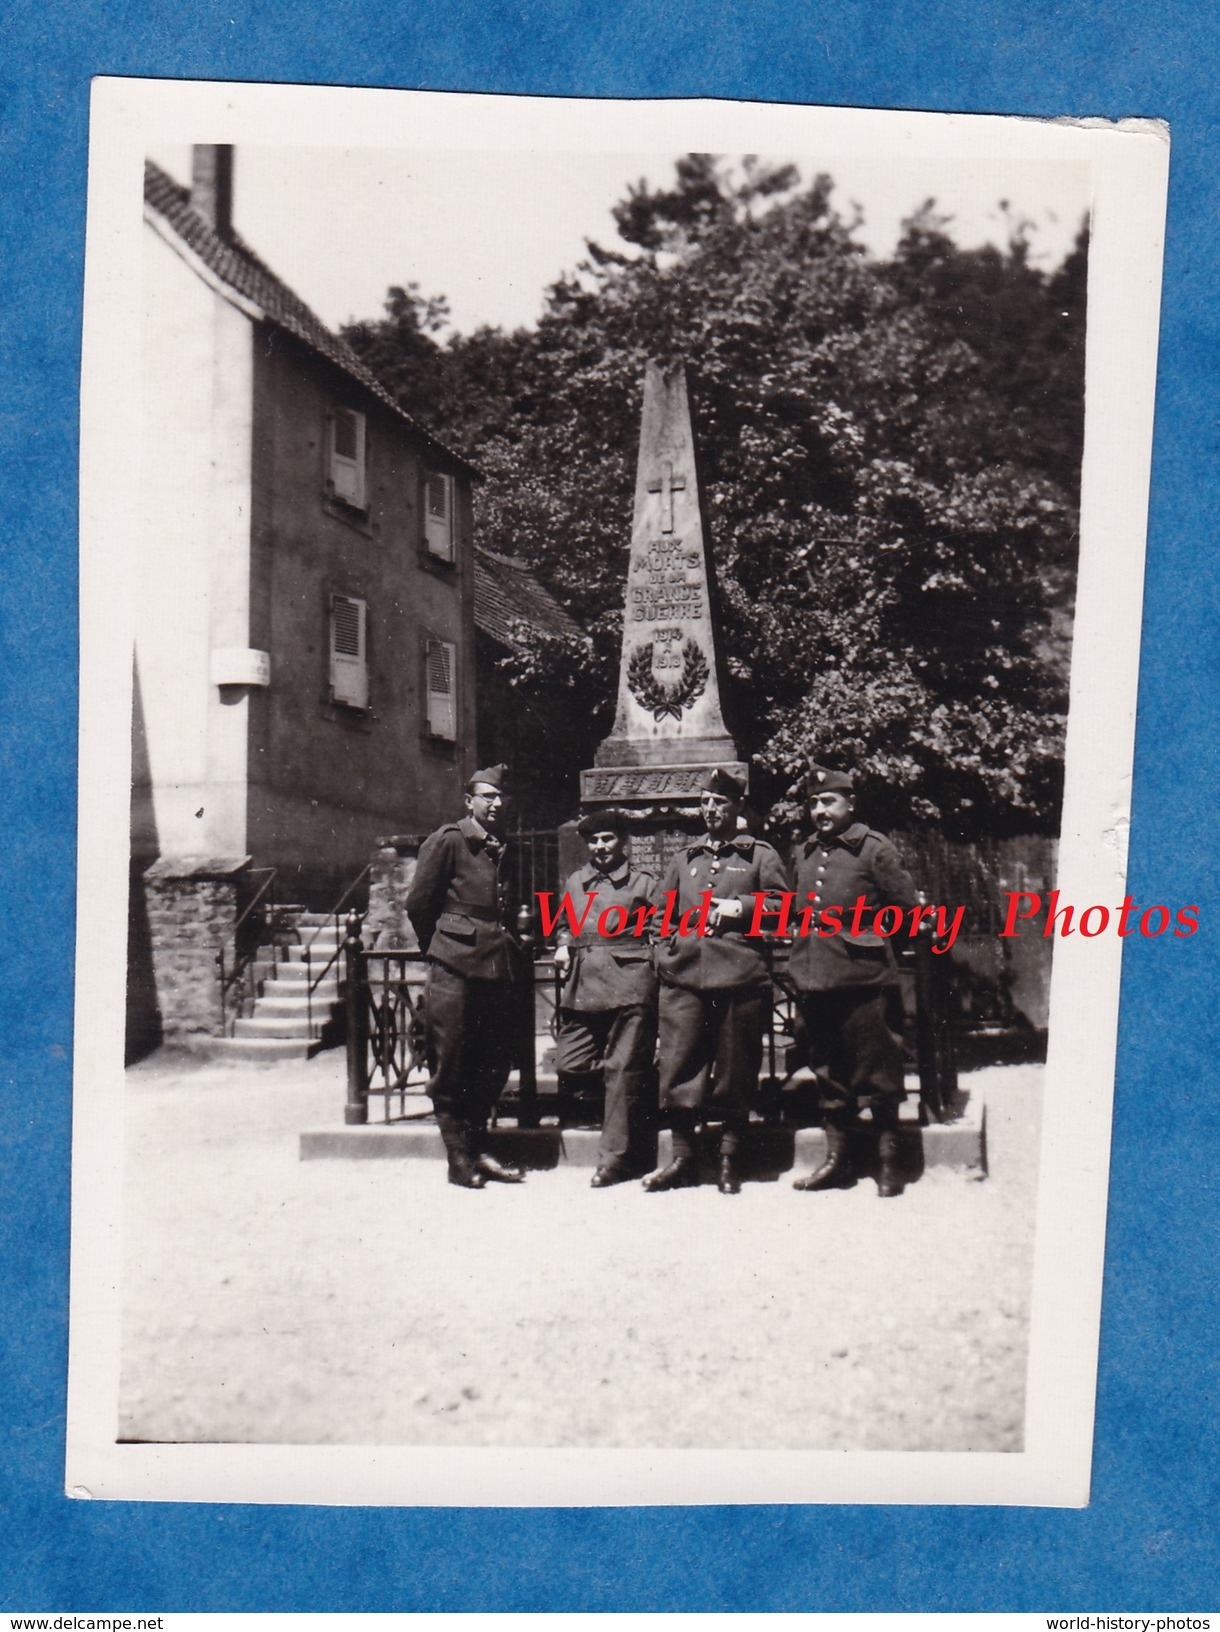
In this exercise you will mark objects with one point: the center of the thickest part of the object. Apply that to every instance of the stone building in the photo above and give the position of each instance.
(304, 665)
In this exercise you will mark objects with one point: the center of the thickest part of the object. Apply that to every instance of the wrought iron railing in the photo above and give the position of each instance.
(386, 1055)
(936, 1022)
(312, 981)
(533, 863)
(924, 1011)
(248, 937)
(385, 1029)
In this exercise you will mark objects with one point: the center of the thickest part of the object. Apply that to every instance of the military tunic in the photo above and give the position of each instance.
(456, 905)
(715, 996)
(608, 1011)
(845, 983)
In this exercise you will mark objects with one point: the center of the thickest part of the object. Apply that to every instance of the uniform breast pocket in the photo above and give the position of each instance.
(458, 929)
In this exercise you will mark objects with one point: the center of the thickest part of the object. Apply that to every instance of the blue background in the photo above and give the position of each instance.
(1149, 1539)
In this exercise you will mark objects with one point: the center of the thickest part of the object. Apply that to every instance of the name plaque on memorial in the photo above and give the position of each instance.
(633, 784)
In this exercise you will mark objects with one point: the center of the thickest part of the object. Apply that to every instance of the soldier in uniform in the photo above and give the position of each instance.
(456, 906)
(846, 984)
(715, 996)
(608, 1011)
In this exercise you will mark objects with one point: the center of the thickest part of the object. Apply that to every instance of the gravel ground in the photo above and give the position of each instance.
(368, 1302)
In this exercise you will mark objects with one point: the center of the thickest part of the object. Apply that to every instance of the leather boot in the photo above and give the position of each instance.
(610, 1174)
(502, 1172)
(889, 1176)
(728, 1176)
(462, 1170)
(835, 1172)
(681, 1172)
(683, 1168)
(728, 1180)
(486, 1164)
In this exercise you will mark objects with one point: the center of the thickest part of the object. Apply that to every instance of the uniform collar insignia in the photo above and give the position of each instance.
(477, 835)
(743, 843)
(617, 875)
(851, 838)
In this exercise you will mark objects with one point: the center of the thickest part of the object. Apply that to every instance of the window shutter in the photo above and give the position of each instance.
(349, 672)
(347, 441)
(442, 711)
(438, 515)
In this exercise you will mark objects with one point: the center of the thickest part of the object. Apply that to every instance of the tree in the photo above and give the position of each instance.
(891, 456)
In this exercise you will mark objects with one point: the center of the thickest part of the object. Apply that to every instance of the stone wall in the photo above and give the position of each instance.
(192, 906)
(393, 870)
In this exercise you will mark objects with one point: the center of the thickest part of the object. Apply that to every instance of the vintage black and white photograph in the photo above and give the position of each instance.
(609, 638)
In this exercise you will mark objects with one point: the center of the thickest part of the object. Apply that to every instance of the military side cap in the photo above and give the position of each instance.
(610, 820)
(722, 782)
(493, 776)
(821, 779)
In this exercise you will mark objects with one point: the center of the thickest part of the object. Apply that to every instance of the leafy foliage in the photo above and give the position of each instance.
(891, 460)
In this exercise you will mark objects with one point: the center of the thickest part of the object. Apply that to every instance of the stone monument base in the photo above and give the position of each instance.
(673, 787)
(662, 802)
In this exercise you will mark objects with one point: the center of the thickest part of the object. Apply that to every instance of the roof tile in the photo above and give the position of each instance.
(506, 593)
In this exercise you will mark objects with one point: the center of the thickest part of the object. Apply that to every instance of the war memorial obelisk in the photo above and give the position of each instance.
(668, 727)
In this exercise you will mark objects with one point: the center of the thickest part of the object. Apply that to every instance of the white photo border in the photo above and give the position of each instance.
(1129, 165)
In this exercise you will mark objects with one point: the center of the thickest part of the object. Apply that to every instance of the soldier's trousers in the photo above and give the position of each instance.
(711, 1049)
(469, 1026)
(849, 1035)
(622, 1042)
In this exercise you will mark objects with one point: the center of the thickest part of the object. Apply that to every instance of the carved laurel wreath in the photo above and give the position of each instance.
(667, 696)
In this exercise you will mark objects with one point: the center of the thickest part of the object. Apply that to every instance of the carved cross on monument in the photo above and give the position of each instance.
(668, 727)
(667, 484)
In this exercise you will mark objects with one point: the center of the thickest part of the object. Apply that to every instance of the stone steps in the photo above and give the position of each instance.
(300, 974)
(320, 952)
(289, 1007)
(288, 1019)
(261, 1025)
(259, 1048)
